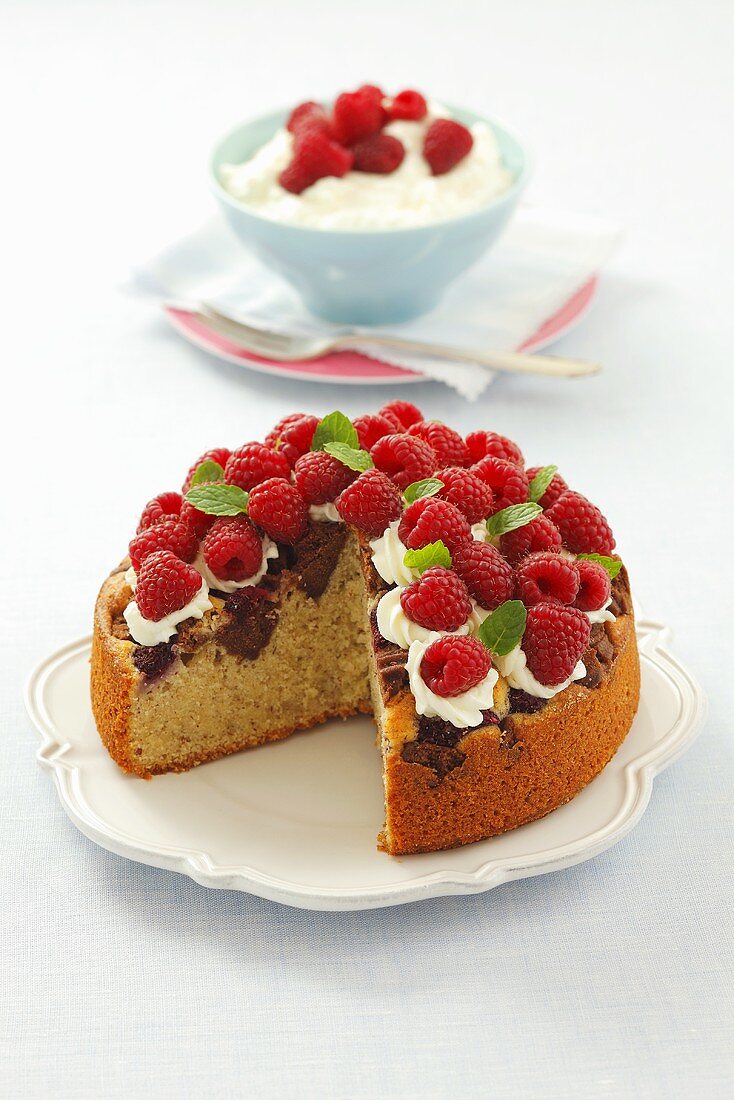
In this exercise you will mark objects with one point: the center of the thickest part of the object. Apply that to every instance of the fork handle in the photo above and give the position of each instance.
(517, 362)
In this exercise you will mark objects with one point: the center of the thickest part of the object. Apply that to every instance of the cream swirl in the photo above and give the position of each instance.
(514, 667)
(148, 632)
(462, 711)
(388, 553)
(602, 615)
(325, 513)
(270, 550)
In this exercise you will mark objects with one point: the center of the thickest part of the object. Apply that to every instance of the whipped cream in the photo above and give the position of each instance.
(603, 615)
(325, 513)
(270, 550)
(409, 196)
(514, 667)
(131, 578)
(463, 710)
(388, 553)
(147, 632)
(479, 531)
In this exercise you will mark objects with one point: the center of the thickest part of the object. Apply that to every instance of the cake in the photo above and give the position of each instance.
(474, 606)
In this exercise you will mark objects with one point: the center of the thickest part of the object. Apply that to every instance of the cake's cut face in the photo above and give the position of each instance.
(472, 604)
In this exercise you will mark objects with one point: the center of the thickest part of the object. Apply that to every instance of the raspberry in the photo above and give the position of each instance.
(452, 665)
(405, 412)
(554, 641)
(309, 115)
(438, 600)
(165, 504)
(448, 444)
(371, 428)
(232, 548)
(165, 584)
(468, 492)
(403, 458)
(595, 587)
(583, 528)
(508, 483)
(200, 522)
(554, 490)
(371, 503)
(446, 143)
(219, 455)
(480, 444)
(315, 155)
(540, 534)
(359, 114)
(320, 477)
(171, 534)
(278, 507)
(485, 573)
(379, 154)
(408, 105)
(428, 520)
(546, 577)
(253, 463)
(292, 436)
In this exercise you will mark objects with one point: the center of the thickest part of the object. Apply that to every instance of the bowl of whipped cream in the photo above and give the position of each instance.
(369, 207)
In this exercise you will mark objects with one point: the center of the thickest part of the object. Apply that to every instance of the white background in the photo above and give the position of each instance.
(611, 979)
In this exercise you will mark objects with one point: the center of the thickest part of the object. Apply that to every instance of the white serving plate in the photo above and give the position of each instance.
(296, 821)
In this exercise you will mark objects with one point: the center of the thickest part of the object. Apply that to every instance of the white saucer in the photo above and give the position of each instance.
(296, 821)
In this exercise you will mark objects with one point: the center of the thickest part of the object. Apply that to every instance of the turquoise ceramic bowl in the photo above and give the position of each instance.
(367, 277)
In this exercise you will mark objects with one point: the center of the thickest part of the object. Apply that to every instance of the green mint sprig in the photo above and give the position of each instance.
(218, 500)
(512, 517)
(335, 428)
(207, 471)
(428, 487)
(503, 629)
(435, 553)
(352, 457)
(612, 565)
(540, 482)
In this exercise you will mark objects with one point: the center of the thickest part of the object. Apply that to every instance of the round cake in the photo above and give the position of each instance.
(473, 605)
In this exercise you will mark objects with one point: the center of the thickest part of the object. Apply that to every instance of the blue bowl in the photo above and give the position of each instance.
(367, 277)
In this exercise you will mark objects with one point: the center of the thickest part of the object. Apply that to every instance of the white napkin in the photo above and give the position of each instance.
(541, 261)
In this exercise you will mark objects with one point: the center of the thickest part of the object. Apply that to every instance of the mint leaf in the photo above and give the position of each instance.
(435, 553)
(428, 487)
(503, 629)
(349, 456)
(612, 565)
(207, 471)
(335, 428)
(541, 481)
(218, 500)
(509, 519)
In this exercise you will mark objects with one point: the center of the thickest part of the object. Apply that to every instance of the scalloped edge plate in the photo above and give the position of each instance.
(295, 822)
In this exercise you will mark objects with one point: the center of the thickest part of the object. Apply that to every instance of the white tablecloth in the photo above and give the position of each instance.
(611, 979)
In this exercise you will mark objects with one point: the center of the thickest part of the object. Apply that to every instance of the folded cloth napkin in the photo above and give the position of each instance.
(542, 260)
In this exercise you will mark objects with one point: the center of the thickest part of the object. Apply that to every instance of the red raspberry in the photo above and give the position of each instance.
(232, 548)
(320, 477)
(485, 573)
(171, 534)
(428, 520)
(220, 455)
(403, 458)
(468, 492)
(315, 155)
(595, 588)
(480, 444)
(449, 446)
(446, 144)
(546, 577)
(278, 507)
(165, 504)
(583, 528)
(452, 665)
(540, 534)
(409, 105)
(371, 428)
(371, 503)
(292, 436)
(253, 463)
(405, 412)
(438, 600)
(165, 584)
(359, 114)
(309, 115)
(379, 154)
(199, 521)
(554, 490)
(507, 482)
(554, 641)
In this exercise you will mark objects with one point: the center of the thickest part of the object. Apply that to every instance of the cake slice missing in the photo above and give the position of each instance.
(292, 610)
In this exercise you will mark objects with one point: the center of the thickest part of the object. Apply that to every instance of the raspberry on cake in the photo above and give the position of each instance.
(295, 582)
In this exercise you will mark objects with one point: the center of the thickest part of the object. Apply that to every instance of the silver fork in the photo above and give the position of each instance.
(286, 348)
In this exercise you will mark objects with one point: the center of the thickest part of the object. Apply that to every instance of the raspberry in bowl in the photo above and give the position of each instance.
(371, 206)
